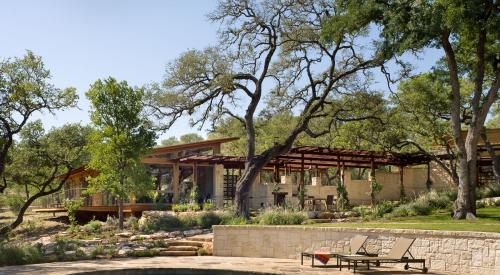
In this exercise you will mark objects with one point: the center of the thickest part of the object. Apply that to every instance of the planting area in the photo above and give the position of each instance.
(488, 221)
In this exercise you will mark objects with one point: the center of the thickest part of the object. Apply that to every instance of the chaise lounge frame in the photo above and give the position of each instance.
(397, 254)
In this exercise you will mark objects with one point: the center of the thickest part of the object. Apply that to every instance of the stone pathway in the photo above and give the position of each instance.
(264, 265)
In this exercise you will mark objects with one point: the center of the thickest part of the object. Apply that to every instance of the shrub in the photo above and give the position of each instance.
(71, 207)
(132, 223)
(93, 226)
(424, 204)
(207, 219)
(382, 208)
(229, 218)
(363, 211)
(112, 222)
(188, 220)
(202, 252)
(480, 204)
(164, 222)
(208, 206)
(180, 207)
(17, 255)
(281, 217)
(489, 191)
(15, 203)
(99, 250)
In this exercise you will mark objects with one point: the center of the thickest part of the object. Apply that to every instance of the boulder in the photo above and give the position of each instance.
(189, 233)
(125, 234)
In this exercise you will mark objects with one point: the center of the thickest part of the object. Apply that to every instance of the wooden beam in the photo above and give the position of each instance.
(175, 182)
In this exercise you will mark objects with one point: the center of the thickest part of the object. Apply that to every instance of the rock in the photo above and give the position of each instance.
(44, 240)
(70, 253)
(125, 234)
(141, 237)
(124, 251)
(90, 242)
(161, 235)
(175, 234)
(189, 233)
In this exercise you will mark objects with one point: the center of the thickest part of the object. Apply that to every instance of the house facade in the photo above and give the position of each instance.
(178, 168)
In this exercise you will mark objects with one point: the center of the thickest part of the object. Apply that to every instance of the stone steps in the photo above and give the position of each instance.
(178, 253)
(182, 248)
(185, 243)
(202, 238)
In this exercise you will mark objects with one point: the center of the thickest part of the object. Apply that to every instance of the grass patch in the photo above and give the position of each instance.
(488, 221)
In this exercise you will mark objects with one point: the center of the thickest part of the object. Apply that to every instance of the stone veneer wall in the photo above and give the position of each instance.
(452, 251)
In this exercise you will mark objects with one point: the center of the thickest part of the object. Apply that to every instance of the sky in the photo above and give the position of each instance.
(82, 41)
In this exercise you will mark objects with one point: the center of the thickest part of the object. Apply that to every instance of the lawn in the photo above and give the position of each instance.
(488, 221)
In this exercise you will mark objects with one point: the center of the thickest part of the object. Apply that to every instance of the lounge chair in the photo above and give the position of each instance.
(357, 247)
(396, 255)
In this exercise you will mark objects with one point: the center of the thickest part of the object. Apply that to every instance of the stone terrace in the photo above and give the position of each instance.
(263, 265)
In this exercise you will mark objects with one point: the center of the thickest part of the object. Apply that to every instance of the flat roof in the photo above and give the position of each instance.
(192, 145)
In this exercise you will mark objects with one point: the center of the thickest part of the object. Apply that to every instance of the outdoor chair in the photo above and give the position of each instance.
(396, 255)
(356, 247)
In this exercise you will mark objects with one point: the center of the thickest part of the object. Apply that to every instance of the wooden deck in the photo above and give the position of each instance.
(127, 208)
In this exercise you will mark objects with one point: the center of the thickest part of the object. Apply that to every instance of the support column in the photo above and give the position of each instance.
(402, 193)
(175, 182)
(302, 183)
(277, 178)
(373, 183)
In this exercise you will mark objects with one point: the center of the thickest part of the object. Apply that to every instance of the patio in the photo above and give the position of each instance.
(263, 265)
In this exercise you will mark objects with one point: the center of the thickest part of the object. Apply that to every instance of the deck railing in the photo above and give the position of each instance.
(57, 199)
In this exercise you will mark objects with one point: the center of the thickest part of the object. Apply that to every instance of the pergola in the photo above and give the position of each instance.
(298, 158)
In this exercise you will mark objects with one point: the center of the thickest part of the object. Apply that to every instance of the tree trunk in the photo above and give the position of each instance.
(495, 162)
(120, 213)
(20, 216)
(243, 187)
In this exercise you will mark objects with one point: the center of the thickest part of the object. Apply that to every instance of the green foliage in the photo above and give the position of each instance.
(93, 227)
(489, 191)
(194, 195)
(111, 222)
(185, 207)
(343, 196)
(201, 252)
(423, 205)
(207, 219)
(375, 188)
(15, 202)
(99, 250)
(187, 138)
(280, 217)
(132, 223)
(382, 208)
(166, 223)
(122, 137)
(71, 206)
(39, 157)
(19, 255)
(229, 218)
(208, 205)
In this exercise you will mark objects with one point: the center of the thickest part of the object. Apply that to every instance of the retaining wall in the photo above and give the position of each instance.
(452, 251)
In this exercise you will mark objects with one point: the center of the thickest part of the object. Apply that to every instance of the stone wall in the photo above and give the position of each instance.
(452, 251)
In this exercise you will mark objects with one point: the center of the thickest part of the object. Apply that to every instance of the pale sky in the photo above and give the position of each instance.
(82, 41)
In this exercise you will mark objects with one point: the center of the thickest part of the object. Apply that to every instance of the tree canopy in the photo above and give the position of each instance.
(24, 90)
(122, 136)
(41, 162)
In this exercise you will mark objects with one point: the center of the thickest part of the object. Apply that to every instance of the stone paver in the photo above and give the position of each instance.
(265, 265)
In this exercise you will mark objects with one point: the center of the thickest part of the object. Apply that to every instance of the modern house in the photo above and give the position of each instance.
(178, 167)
